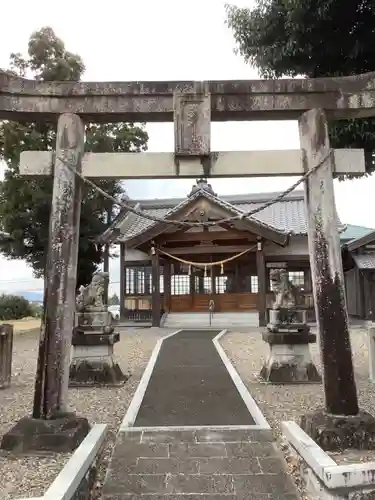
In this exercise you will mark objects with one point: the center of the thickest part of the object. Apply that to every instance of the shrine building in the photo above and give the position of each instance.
(228, 264)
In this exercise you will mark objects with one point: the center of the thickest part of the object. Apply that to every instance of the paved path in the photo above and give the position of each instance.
(191, 386)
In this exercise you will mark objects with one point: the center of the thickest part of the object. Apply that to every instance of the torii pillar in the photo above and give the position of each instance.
(191, 105)
(340, 424)
(52, 425)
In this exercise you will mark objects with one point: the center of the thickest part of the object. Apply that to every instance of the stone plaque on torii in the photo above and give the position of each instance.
(192, 106)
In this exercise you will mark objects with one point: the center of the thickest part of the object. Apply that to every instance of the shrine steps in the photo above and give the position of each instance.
(228, 320)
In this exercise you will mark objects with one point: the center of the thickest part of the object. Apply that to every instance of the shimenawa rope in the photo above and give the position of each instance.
(205, 265)
(163, 220)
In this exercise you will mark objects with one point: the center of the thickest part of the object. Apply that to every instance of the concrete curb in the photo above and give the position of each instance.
(322, 474)
(254, 410)
(70, 478)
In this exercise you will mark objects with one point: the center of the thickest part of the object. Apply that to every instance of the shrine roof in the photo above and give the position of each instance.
(353, 232)
(365, 261)
(287, 216)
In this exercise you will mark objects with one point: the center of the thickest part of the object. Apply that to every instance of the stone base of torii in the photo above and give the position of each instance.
(191, 105)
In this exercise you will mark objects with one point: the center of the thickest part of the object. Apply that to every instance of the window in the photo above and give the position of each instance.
(140, 288)
(220, 284)
(205, 282)
(297, 278)
(270, 284)
(207, 285)
(138, 280)
(180, 284)
(129, 281)
(254, 284)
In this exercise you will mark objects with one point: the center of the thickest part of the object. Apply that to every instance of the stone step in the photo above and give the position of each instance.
(223, 320)
(204, 464)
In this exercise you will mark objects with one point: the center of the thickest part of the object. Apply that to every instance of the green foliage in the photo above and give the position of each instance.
(114, 300)
(313, 38)
(25, 203)
(14, 307)
(36, 310)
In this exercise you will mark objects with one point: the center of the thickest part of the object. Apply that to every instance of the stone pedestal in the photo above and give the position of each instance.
(61, 435)
(93, 361)
(340, 432)
(93, 317)
(289, 361)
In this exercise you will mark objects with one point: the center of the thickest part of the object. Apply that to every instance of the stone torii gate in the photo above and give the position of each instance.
(192, 106)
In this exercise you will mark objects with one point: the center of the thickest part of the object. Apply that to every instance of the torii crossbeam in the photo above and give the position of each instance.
(284, 99)
(191, 106)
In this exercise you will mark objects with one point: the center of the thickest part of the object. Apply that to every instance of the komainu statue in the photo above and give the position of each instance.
(288, 335)
(285, 292)
(94, 332)
(92, 295)
(286, 295)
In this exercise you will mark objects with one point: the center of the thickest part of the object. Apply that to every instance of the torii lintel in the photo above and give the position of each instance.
(341, 98)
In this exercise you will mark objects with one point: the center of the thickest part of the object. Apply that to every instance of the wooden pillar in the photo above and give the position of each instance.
(307, 280)
(167, 284)
(106, 270)
(213, 280)
(52, 378)
(237, 279)
(106, 258)
(362, 282)
(122, 280)
(262, 288)
(326, 267)
(147, 280)
(371, 282)
(156, 302)
(192, 282)
(201, 284)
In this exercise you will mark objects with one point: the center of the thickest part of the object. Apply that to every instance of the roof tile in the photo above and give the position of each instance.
(285, 216)
(365, 260)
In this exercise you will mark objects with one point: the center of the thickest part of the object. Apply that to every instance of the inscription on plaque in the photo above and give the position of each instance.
(192, 116)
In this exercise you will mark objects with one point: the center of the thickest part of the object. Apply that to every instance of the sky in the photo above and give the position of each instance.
(124, 40)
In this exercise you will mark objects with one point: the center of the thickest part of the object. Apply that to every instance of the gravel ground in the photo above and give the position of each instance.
(30, 475)
(279, 403)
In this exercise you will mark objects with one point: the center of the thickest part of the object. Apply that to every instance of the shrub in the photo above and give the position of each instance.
(14, 307)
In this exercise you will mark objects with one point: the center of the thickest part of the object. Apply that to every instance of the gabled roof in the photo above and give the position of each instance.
(215, 210)
(365, 259)
(352, 232)
(360, 242)
(286, 217)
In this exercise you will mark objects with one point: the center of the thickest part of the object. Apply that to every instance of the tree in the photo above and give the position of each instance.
(313, 38)
(318, 38)
(14, 307)
(114, 300)
(25, 203)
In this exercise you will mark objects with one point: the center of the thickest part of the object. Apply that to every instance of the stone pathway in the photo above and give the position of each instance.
(190, 386)
(192, 465)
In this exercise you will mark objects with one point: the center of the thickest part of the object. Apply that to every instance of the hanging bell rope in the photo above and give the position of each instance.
(205, 265)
